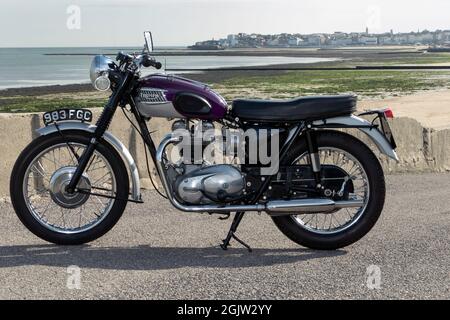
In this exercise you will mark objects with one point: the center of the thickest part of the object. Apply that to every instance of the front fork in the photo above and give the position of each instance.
(102, 125)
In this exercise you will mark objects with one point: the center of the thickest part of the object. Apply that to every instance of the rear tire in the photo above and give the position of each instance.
(30, 221)
(294, 231)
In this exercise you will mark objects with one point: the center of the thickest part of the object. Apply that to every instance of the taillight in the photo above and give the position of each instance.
(388, 113)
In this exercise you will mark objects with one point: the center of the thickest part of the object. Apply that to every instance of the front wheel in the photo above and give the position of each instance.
(38, 189)
(330, 231)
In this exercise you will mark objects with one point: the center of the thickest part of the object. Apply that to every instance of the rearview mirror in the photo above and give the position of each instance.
(148, 41)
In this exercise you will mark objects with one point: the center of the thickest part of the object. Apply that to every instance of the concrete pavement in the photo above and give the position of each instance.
(155, 252)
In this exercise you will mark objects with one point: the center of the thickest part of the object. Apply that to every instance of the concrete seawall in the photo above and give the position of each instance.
(420, 149)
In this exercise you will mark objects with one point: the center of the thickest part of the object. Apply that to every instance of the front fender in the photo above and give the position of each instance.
(112, 140)
(374, 134)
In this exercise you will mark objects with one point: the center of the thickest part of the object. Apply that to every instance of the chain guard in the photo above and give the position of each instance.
(297, 182)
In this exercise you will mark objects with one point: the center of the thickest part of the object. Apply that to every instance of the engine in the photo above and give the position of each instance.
(212, 184)
(205, 182)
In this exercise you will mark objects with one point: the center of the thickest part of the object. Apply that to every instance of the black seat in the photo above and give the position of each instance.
(305, 108)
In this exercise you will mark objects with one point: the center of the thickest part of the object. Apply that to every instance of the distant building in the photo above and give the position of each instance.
(254, 40)
(387, 39)
(423, 38)
(295, 42)
(340, 39)
(316, 40)
(207, 45)
(274, 42)
(401, 38)
(232, 41)
(369, 41)
(341, 42)
(223, 43)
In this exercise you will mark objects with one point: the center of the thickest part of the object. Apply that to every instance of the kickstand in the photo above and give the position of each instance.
(236, 221)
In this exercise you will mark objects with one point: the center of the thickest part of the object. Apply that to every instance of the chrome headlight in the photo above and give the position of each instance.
(100, 67)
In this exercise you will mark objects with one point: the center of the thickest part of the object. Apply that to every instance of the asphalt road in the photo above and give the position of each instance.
(155, 252)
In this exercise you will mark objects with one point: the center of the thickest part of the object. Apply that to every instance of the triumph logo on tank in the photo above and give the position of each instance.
(152, 96)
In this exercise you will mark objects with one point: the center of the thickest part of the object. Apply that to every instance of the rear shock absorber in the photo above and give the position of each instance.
(313, 150)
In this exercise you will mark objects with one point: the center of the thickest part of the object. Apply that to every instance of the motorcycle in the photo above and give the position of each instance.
(325, 189)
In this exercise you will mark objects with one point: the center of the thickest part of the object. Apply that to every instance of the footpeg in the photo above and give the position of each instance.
(224, 217)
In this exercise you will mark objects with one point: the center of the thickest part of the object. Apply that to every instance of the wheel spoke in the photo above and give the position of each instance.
(341, 219)
(82, 211)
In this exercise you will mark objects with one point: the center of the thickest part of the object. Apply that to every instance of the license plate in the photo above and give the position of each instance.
(82, 115)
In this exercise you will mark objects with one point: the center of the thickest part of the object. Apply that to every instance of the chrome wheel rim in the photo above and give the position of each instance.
(343, 219)
(45, 196)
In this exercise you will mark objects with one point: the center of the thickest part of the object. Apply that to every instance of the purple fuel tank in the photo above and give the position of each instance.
(169, 96)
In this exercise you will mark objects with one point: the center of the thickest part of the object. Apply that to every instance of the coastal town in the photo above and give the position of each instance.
(439, 39)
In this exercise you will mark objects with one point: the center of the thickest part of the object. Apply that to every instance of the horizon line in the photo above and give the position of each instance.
(103, 47)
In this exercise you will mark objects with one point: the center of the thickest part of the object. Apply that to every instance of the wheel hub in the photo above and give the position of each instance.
(58, 184)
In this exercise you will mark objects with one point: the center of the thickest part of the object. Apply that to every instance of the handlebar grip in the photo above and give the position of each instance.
(158, 65)
(149, 62)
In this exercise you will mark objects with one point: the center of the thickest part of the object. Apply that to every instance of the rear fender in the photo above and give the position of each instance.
(365, 126)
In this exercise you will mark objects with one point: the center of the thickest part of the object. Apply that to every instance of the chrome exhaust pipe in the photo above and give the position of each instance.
(282, 207)
(273, 208)
(308, 206)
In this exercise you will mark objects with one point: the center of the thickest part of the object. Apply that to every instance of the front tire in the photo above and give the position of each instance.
(48, 159)
(313, 239)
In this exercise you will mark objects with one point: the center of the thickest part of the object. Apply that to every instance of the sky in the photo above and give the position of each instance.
(78, 23)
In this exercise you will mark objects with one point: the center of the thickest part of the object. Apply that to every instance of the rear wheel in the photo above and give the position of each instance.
(38, 194)
(328, 231)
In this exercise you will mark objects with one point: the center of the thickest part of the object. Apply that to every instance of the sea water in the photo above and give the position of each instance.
(30, 67)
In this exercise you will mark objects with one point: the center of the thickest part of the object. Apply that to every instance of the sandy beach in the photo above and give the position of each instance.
(431, 109)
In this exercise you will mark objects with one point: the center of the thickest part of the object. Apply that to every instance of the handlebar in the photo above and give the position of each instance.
(123, 57)
(143, 60)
